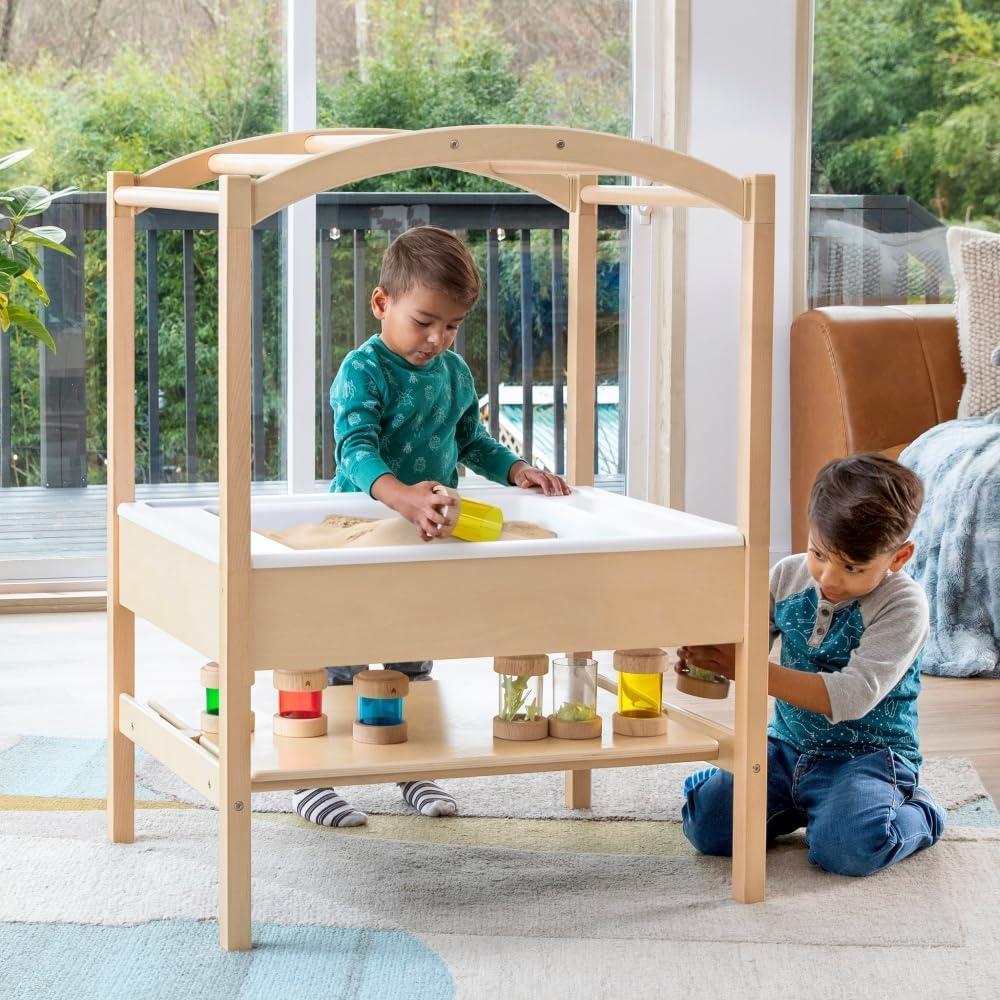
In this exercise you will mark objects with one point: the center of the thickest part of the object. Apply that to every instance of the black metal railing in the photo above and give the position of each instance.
(518, 329)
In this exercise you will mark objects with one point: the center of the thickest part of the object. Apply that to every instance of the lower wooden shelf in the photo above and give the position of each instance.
(450, 735)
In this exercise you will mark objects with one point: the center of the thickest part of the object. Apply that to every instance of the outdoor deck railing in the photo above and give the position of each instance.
(344, 220)
(875, 250)
(863, 250)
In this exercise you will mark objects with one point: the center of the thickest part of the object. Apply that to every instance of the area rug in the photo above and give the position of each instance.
(493, 905)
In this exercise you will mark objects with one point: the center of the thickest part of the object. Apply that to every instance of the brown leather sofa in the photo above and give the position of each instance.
(866, 378)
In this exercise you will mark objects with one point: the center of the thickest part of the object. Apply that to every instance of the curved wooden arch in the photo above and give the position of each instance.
(487, 148)
(193, 170)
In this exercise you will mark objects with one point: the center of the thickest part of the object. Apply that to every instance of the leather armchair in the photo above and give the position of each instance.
(866, 378)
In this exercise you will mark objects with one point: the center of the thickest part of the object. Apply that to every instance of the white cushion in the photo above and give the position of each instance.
(975, 264)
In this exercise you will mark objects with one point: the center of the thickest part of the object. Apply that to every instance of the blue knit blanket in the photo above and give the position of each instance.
(957, 538)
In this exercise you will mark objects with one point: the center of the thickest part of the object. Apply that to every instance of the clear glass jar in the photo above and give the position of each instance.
(521, 698)
(574, 689)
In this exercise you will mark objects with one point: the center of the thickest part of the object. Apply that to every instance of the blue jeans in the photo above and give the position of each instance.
(418, 670)
(861, 814)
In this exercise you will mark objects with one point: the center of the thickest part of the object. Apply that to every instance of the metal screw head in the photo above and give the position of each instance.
(756, 769)
(560, 144)
(454, 144)
(238, 806)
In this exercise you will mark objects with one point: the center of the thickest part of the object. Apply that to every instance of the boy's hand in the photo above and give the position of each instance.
(720, 659)
(419, 504)
(527, 476)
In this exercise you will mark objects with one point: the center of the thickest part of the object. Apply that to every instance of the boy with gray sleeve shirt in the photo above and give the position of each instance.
(847, 630)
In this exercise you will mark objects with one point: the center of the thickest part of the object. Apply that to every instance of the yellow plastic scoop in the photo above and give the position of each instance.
(470, 520)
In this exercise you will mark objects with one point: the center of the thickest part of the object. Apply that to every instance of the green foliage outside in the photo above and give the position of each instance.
(907, 100)
(136, 114)
(20, 245)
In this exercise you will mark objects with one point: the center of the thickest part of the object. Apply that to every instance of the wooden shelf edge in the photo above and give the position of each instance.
(475, 767)
(170, 746)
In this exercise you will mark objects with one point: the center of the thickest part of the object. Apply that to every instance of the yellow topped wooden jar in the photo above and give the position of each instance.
(640, 692)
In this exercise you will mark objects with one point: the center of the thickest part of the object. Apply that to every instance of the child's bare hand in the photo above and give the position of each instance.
(526, 476)
(720, 659)
(419, 504)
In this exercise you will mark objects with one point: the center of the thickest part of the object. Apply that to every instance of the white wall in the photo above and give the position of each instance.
(742, 118)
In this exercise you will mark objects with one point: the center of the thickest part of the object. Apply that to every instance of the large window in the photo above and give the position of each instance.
(906, 131)
(409, 64)
(175, 76)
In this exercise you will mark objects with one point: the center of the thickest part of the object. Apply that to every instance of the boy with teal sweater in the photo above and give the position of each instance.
(406, 413)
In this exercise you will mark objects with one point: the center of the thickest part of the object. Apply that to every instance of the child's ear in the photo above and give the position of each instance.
(903, 555)
(380, 300)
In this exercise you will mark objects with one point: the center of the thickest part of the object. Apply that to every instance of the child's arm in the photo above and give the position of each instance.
(797, 687)
(489, 458)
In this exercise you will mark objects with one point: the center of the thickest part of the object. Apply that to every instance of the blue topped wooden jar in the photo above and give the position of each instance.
(380, 695)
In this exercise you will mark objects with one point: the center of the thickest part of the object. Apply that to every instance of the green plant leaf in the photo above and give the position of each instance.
(33, 239)
(21, 319)
(15, 260)
(29, 199)
(53, 233)
(6, 281)
(11, 158)
(36, 286)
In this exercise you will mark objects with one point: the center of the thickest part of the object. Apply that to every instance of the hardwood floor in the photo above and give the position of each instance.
(52, 674)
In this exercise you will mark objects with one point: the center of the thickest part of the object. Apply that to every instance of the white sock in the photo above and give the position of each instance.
(325, 807)
(427, 798)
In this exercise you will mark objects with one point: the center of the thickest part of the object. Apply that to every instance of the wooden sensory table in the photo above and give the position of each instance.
(207, 578)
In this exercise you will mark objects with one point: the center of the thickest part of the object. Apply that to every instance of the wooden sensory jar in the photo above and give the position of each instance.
(300, 703)
(574, 699)
(520, 715)
(640, 692)
(380, 695)
(210, 713)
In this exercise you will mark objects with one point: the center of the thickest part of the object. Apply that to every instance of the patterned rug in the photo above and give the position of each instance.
(490, 904)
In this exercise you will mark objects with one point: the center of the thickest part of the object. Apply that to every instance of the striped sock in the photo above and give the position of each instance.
(427, 798)
(325, 807)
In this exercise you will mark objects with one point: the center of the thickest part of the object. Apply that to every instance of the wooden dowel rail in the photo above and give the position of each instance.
(639, 194)
(176, 198)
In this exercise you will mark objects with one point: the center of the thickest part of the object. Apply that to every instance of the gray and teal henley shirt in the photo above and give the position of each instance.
(866, 649)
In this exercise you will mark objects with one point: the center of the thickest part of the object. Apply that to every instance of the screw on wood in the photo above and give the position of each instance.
(756, 769)
(454, 143)
(560, 144)
(238, 806)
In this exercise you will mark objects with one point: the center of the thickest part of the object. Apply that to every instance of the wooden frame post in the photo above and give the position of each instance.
(121, 489)
(235, 261)
(581, 382)
(750, 741)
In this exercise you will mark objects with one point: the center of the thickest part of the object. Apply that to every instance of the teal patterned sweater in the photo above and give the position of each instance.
(867, 651)
(415, 422)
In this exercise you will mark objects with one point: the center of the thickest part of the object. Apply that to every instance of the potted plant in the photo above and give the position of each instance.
(19, 246)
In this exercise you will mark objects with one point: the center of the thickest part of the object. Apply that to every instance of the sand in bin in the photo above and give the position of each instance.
(338, 531)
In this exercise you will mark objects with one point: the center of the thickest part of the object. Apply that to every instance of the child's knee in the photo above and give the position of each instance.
(707, 813)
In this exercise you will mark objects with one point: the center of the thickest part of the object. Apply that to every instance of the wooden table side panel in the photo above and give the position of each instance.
(373, 613)
(170, 586)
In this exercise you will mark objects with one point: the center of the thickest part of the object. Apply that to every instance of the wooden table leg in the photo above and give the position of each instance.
(578, 789)
(121, 750)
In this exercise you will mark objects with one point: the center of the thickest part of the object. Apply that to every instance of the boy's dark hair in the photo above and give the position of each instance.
(434, 258)
(864, 505)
